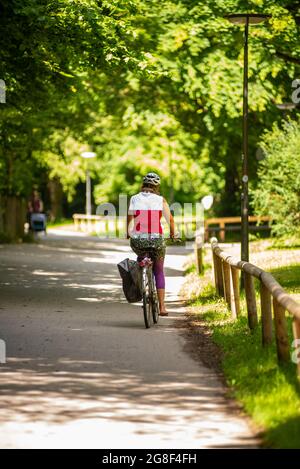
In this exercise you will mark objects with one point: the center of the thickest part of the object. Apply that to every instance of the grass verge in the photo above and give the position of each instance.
(269, 393)
(60, 222)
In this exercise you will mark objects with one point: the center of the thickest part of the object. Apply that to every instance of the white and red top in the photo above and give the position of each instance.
(147, 209)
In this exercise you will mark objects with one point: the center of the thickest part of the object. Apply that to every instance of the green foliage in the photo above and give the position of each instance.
(193, 99)
(149, 141)
(62, 160)
(278, 191)
(56, 48)
(147, 85)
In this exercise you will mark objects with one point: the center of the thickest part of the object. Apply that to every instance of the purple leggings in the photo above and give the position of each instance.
(158, 270)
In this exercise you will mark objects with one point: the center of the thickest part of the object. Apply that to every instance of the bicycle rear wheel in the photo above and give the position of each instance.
(154, 302)
(147, 298)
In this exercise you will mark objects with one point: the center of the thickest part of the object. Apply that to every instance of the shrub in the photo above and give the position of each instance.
(278, 191)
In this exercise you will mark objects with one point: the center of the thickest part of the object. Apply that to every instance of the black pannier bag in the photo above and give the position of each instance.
(130, 273)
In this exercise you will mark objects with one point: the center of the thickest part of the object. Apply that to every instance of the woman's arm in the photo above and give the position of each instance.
(129, 223)
(169, 218)
(130, 216)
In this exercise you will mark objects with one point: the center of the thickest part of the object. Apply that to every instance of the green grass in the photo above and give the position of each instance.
(191, 268)
(60, 222)
(288, 277)
(269, 393)
(285, 242)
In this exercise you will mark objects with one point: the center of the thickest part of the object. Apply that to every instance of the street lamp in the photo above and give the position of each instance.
(245, 19)
(88, 155)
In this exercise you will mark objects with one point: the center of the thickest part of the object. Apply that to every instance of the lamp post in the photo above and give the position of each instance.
(171, 182)
(88, 155)
(245, 19)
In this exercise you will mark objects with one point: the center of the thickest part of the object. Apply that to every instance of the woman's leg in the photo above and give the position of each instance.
(161, 300)
(158, 270)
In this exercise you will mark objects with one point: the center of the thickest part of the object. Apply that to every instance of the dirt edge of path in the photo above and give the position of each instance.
(199, 342)
(200, 346)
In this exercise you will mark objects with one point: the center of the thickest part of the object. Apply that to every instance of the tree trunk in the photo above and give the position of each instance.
(12, 216)
(2, 211)
(56, 199)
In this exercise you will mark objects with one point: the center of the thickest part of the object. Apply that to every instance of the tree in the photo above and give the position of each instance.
(197, 83)
(278, 191)
(146, 84)
(56, 47)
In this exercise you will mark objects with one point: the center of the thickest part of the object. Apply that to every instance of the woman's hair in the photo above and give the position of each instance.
(154, 189)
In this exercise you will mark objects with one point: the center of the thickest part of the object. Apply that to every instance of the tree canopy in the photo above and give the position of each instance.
(146, 85)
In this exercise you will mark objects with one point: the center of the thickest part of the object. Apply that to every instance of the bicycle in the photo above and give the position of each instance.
(150, 298)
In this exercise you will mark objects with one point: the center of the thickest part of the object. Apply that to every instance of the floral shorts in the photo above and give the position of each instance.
(156, 246)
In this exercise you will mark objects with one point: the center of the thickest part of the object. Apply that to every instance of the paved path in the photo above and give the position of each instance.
(82, 371)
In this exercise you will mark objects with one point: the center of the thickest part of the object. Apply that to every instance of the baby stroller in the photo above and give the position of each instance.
(38, 223)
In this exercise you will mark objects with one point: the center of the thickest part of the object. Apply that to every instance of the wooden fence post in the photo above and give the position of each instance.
(199, 258)
(220, 276)
(206, 231)
(222, 231)
(266, 315)
(216, 274)
(226, 281)
(296, 333)
(250, 300)
(282, 341)
(234, 291)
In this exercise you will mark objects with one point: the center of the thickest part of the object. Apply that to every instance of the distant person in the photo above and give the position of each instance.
(35, 205)
(145, 211)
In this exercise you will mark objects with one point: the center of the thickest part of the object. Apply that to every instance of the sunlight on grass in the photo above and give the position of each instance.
(60, 223)
(288, 277)
(290, 242)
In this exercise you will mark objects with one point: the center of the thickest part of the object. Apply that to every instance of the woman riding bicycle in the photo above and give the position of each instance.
(146, 235)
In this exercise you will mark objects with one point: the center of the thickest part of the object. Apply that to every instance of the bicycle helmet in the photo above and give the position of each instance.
(152, 178)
